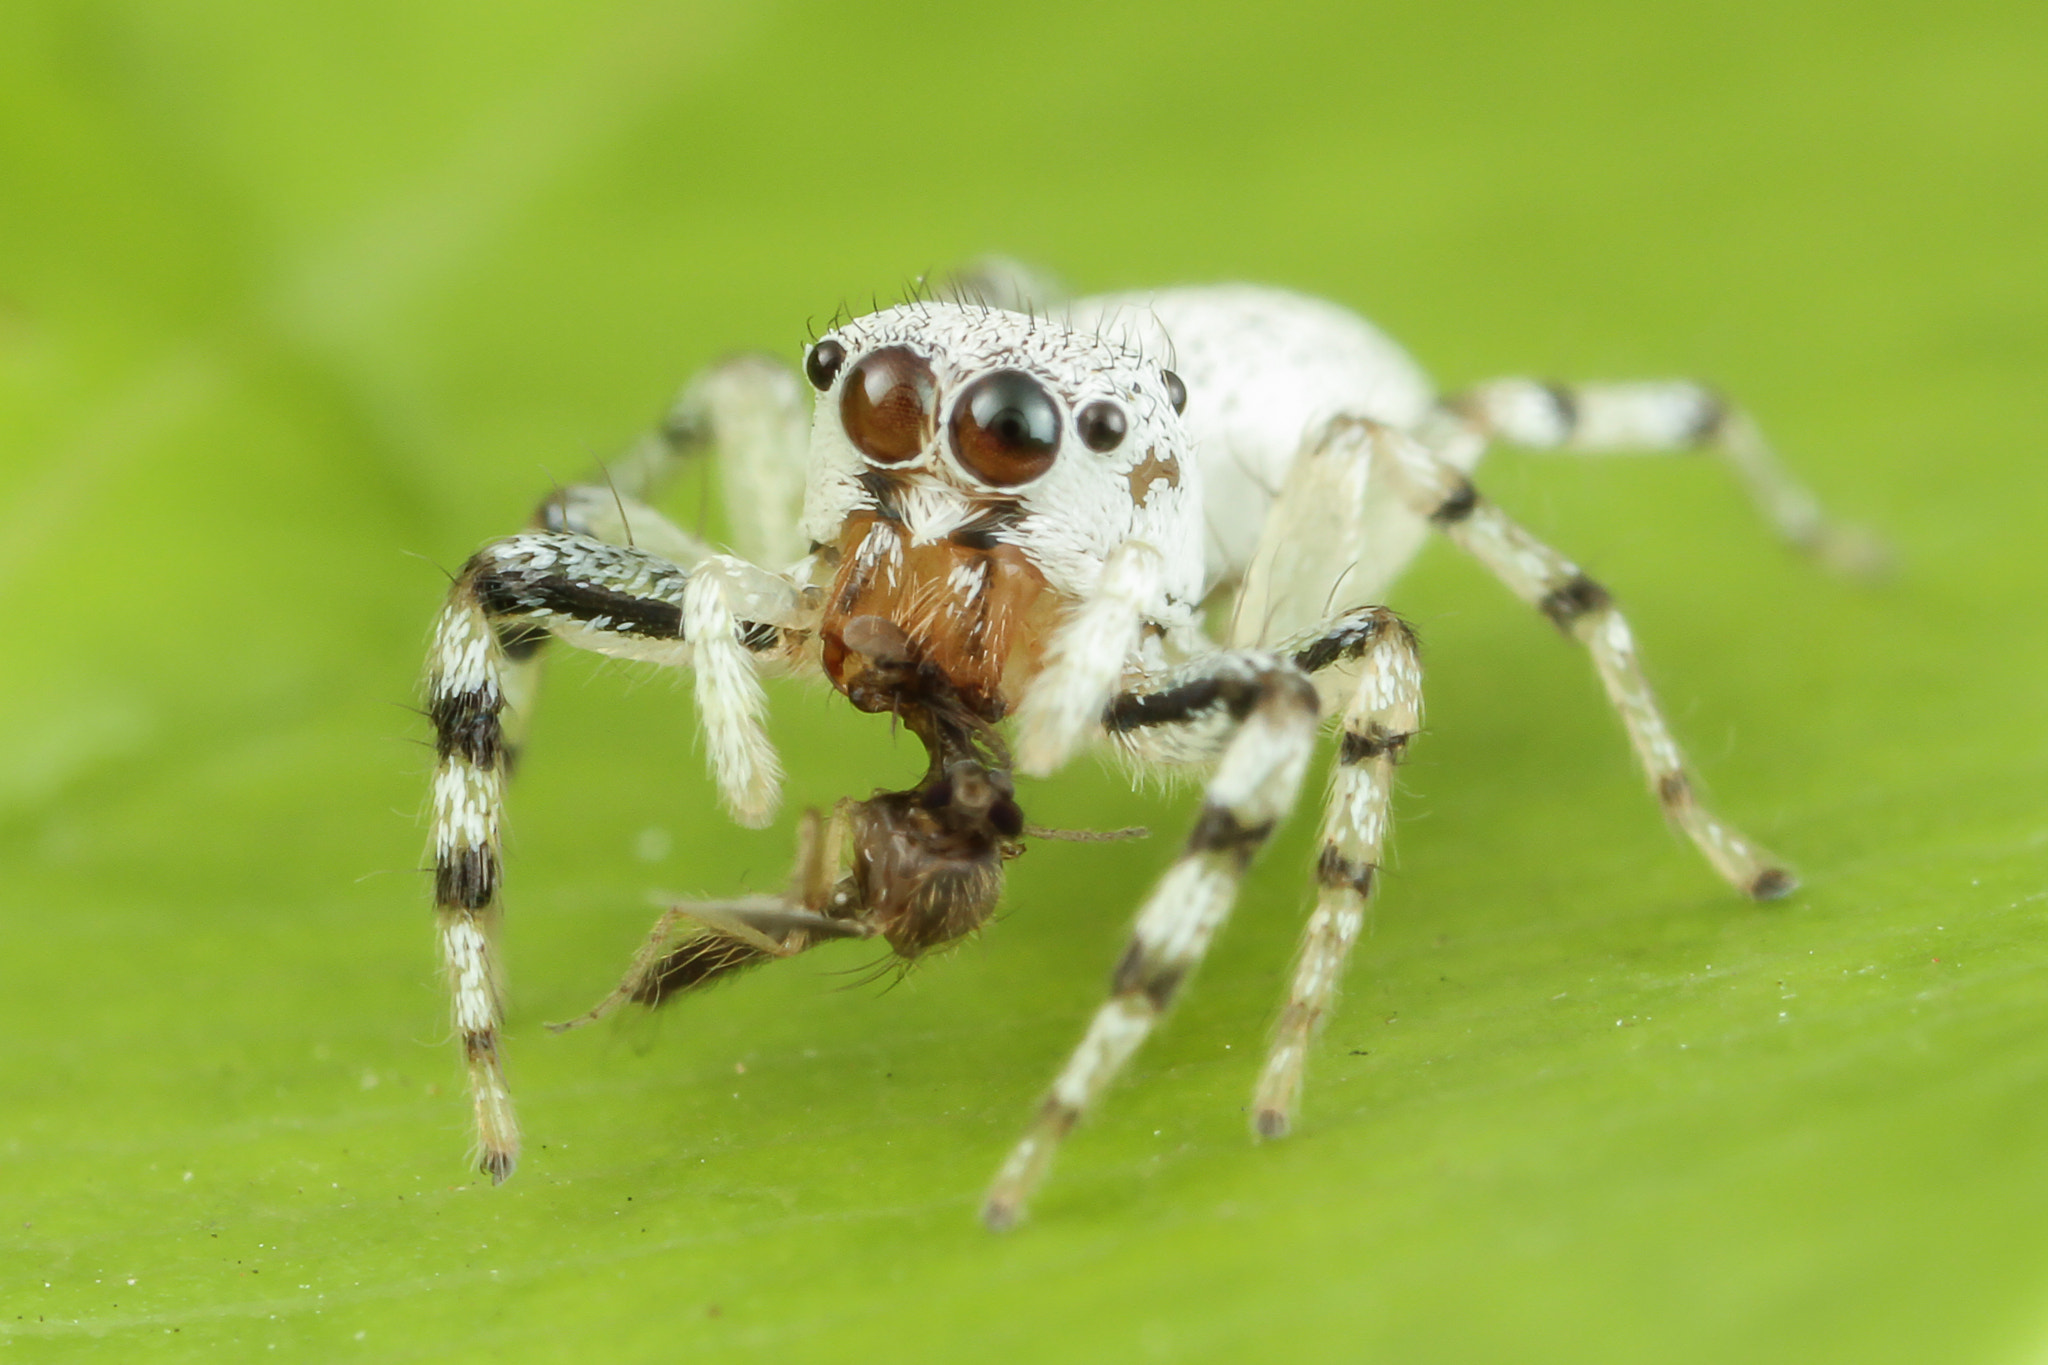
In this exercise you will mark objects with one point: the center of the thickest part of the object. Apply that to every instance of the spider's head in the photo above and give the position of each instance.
(970, 470)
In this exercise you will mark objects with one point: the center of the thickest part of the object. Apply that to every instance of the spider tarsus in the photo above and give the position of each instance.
(1853, 553)
(1270, 1124)
(498, 1166)
(1000, 1215)
(1773, 883)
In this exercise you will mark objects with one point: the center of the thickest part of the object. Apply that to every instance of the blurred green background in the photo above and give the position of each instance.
(299, 304)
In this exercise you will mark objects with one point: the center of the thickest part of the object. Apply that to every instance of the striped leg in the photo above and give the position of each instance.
(467, 699)
(603, 513)
(1667, 417)
(1583, 610)
(1254, 785)
(595, 512)
(1385, 710)
(606, 598)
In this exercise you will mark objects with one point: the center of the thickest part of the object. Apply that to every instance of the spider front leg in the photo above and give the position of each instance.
(1659, 417)
(610, 599)
(1268, 710)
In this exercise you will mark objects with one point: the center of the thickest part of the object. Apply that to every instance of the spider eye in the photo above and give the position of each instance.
(889, 405)
(1101, 425)
(821, 366)
(1006, 428)
(1176, 392)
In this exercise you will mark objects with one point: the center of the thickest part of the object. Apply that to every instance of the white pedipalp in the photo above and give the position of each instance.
(1089, 657)
(731, 705)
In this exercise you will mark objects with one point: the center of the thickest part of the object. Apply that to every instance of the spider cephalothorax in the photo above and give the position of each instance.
(1021, 515)
(968, 477)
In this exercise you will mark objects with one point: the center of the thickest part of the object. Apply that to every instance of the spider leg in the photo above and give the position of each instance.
(1325, 536)
(1314, 543)
(606, 598)
(1585, 612)
(1382, 714)
(1660, 417)
(602, 512)
(597, 512)
(1269, 711)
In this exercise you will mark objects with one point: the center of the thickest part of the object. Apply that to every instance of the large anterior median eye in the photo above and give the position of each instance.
(1006, 429)
(890, 404)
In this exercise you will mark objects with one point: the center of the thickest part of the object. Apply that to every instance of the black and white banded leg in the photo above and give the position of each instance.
(1585, 612)
(1382, 714)
(597, 512)
(1271, 716)
(1660, 417)
(611, 599)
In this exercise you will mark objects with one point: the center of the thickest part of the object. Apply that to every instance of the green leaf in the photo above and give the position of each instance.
(298, 303)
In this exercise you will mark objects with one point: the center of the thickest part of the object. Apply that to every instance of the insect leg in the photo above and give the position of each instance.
(731, 935)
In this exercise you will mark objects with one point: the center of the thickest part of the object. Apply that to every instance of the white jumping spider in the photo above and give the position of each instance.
(1008, 504)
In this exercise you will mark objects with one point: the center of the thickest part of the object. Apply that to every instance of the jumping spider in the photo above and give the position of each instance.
(1008, 504)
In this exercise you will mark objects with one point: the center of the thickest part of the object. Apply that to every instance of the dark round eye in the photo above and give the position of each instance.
(1176, 392)
(1007, 817)
(1006, 428)
(1101, 425)
(890, 404)
(821, 366)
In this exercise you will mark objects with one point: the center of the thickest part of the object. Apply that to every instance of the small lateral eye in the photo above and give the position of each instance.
(1176, 392)
(821, 366)
(1006, 428)
(890, 404)
(1101, 425)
